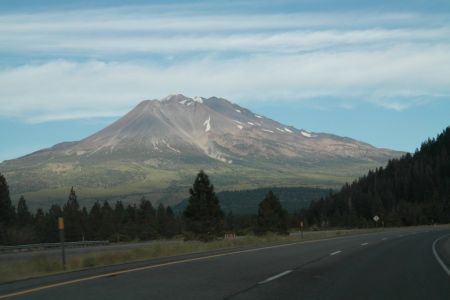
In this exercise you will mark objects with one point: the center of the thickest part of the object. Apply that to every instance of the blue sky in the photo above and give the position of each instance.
(376, 71)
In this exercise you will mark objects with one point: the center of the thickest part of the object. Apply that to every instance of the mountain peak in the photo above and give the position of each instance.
(174, 97)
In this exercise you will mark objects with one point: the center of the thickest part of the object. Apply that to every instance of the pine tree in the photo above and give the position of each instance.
(119, 221)
(203, 215)
(95, 222)
(72, 218)
(51, 224)
(7, 212)
(107, 226)
(146, 218)
(23, 216)
(161, 218)
(172, 225)
(271, 216)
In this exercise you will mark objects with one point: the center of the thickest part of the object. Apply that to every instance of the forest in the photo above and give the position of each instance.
(411, 190)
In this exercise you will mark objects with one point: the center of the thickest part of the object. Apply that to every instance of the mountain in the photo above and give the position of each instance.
(157, 148)
(412, 190)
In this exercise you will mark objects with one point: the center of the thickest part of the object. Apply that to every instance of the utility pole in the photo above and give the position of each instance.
(61, 239)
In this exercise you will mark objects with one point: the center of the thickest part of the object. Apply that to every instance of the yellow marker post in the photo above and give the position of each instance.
(61, 223)
(61, 239)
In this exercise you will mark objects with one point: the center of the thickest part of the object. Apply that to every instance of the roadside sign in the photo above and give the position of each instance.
(376, 218)
(60, 223)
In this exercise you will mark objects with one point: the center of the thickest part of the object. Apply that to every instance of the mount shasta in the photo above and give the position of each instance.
(158, 147)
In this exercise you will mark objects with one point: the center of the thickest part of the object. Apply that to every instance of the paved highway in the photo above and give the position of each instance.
(395, 264)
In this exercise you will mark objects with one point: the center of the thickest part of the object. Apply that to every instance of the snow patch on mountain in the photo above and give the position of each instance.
(280, 130)
(267, 130)
(250, 123)
(240, 126)
(237, 110)
(287, 130)
(198, 99)
(258, 116)
(207, 123)
(306, 134)
(170, 147)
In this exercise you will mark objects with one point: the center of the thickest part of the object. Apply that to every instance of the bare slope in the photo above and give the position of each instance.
(157, 148)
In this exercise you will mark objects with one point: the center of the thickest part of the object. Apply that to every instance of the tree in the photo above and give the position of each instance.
(23, 216)
(72, 218)
(271, 216)
(203, 215)
(6, 210)
(119, 221)
(146, 219)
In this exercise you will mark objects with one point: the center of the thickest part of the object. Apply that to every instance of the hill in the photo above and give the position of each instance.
(412, 190)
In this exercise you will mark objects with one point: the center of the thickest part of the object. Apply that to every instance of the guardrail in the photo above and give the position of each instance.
(45, 246)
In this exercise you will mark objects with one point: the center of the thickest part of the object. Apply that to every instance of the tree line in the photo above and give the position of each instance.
(411, 190)
(203, 219)
(101, 222)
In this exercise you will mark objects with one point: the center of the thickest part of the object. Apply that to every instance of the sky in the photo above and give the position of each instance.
(376, 71)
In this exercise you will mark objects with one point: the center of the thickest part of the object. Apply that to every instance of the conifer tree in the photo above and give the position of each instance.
(271, 216)
(7, 212)
(72, 218)
(23, 216)
(203, 215)
(146, 218)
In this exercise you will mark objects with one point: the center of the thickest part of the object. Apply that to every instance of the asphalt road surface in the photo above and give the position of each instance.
(410, 263)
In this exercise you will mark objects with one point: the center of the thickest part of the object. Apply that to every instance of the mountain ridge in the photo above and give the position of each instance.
(178, 135)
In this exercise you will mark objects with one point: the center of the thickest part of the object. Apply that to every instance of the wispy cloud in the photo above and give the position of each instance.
(384, 77)
(96, 63)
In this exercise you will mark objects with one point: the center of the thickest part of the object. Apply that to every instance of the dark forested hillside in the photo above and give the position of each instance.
(246, 202)
(414, 189)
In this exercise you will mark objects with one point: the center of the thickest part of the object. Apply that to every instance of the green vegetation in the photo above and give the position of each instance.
(411, 190)
(272, 217)
(203, 215)
(245, 202)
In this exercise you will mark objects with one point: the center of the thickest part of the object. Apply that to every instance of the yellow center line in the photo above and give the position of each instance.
(45, 287)
(54, 285)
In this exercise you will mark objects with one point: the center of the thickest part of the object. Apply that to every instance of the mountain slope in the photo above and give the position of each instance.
(412, 190)
(157, 148)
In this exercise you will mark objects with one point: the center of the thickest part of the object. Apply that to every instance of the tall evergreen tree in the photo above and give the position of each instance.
(72, 218)
(51, 224)
(146, 218)
(95, 221)
(107, 226)
(7, 212)
(203, 216)
(119, 221)
(23, 215)
(271, 216)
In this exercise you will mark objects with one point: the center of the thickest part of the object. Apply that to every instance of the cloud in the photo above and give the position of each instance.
(392, 78)
(101, 62)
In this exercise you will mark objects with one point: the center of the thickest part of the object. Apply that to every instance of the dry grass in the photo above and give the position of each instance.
(40, 265)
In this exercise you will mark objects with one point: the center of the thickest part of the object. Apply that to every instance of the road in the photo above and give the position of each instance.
(398, 264)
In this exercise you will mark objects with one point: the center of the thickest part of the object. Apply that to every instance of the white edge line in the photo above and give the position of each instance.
(439, 260)
(275, 277)
(364, 244)
(335, 252)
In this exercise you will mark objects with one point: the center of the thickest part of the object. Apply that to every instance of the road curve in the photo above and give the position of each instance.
(395, 264)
